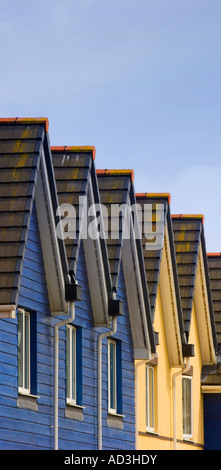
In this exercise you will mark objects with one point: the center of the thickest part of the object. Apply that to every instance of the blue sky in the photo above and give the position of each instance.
(140, 80)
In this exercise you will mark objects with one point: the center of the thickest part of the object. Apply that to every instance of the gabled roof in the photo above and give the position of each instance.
(161, 270)
(123, 245)
(24, 163)
(114, 188)
(214, 263)
(76, 181)
(187, 231)
(153, 247)
(72, 167)
(194, 281)
(211, 376)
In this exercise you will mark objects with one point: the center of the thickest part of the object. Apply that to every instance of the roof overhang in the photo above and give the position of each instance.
(85, 202)
(201, 301)
(94, 263)
(49, 242)
(135, 297)
(169, 306)
(116, 187)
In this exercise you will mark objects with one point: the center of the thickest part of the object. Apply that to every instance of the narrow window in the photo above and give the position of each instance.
(150, 398)
(24, 359)
(187, 407)
(71, 368)
(112, 377)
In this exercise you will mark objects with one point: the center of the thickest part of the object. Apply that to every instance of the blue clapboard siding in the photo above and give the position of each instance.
(212, 421)
(22, 428)
(83, 435)
(123, 439)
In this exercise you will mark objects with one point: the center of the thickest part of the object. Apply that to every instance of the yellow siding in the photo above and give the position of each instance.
(163, 438)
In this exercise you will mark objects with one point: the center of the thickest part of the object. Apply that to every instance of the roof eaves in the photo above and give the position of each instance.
(55, 203)
(127, 177)
(176, 278)
(152, 334)
(209, 293)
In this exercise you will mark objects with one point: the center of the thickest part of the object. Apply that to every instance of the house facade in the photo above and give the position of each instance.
(67, 346)
(109, 307)
(211, 379)
(169, 387)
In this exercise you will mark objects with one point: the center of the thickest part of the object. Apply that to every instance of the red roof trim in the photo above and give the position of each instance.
(40, 120)
(74, 149)
(154, 195)
(214, 254)
(188, 216)
(116, 173)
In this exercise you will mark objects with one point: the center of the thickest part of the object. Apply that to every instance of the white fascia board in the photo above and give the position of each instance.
(7, 311)
(169, 306)
(203, 314)
(142, 354)
(136, 304)
(49, 243)
(95, 266)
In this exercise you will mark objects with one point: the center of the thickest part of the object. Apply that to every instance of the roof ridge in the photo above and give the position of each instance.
(153, 195)
(188, 216)
(75, 148)
(116, 172)
(21, 120)
(214, 254)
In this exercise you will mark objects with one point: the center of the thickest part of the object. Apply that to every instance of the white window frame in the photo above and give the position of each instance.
(188, 436)
(25, 387)
(150, 408)
(71, 397)
(112, 409)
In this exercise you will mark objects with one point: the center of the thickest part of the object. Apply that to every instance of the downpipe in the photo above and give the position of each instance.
(101, 336)
(70, 318)
(182, 371)
(138, 364)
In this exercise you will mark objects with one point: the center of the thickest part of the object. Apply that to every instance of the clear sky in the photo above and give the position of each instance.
(139, 79)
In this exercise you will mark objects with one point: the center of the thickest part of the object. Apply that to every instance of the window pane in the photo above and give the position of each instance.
(73, 364)
(187, 411)
(68, 363)
(27, 352)
(112, 375)
(24, 350)
(150, 397)
(20, 349)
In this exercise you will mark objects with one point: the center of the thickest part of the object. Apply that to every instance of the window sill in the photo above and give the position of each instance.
(27, 394)
(73, 411)
(28, 401)
(151, 431)
(115, 420)
(188, 438)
